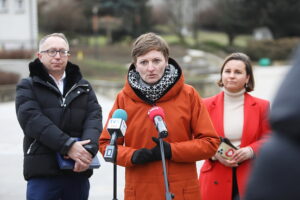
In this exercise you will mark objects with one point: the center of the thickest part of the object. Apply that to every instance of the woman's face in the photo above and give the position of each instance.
(151, 66)
(234, 76)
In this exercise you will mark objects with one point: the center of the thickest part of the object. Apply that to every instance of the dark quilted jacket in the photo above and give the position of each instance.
(49, 119)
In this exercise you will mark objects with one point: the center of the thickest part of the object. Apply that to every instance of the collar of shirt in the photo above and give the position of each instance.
(60, 82)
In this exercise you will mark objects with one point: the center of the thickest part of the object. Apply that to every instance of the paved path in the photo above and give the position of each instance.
(267, 81)
(12, 184)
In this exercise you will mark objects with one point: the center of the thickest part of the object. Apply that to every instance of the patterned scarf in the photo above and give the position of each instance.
(156, 91)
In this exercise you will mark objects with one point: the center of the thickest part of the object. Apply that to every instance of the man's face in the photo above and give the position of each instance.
(57, 63)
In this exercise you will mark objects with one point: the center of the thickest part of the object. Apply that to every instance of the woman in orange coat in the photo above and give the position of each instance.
(154, 79)
(242, 119)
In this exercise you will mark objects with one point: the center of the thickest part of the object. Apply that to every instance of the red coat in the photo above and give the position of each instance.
(215, 178)
(191, 135)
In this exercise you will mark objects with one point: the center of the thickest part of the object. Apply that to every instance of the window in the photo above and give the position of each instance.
(3, 3)
(19, 6)
(3, 6)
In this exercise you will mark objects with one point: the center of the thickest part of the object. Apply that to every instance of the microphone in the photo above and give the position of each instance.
(116, 127)
(157, 115)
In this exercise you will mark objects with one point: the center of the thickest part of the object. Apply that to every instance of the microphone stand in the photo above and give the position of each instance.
(169, 196)
(115, 172)
(116, 128)
(111, 156)
(115, 182)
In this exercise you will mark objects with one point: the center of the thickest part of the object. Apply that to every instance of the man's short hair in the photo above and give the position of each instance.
(60, 35)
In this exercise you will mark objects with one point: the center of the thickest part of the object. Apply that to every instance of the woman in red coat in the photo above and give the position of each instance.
(242, 119)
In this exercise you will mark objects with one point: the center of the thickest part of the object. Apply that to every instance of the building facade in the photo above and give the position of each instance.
(18, 24)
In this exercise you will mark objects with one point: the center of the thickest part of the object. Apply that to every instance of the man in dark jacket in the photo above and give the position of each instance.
(276, 171)
(54, 106)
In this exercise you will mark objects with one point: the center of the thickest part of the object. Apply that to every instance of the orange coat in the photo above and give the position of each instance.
(215, 178)
(191, 135)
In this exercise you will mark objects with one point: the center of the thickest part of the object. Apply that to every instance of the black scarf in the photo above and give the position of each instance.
(156, 91)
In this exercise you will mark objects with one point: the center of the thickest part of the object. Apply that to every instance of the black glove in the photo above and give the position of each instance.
(156, 150)
(142, 156)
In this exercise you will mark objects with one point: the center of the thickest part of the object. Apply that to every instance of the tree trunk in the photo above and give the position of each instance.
(231, 37)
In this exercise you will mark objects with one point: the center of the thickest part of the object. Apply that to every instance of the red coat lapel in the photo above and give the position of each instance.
(251, 120)
(215, 106)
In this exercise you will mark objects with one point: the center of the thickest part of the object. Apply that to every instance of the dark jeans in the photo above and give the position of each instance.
(58, 188)
(235, 189)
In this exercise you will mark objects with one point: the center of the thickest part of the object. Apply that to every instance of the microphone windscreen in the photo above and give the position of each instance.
(156, 111)
(120, 113)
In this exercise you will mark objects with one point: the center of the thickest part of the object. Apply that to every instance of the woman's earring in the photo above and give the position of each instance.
(246, 85)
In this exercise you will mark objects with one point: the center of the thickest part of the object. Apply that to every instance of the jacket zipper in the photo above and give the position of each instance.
(63, 104)
(72, 88)
(30, 147)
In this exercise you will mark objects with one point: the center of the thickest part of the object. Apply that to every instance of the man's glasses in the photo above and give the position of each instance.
(53, 52)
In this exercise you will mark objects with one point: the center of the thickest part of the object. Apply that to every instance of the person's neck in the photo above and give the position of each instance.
(57, 76)
(234, 94)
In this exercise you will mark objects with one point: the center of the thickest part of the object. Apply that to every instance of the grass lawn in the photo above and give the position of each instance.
(210, 36)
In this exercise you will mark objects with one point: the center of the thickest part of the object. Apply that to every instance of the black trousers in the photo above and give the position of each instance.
(235, 189)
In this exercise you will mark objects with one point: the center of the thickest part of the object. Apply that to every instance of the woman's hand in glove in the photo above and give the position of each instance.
(142, 156)
(156, 150)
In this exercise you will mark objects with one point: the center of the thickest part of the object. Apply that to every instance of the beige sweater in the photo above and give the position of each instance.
(234, 116)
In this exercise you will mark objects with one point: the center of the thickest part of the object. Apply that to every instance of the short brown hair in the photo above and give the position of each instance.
(148, 42)
(249, 71)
